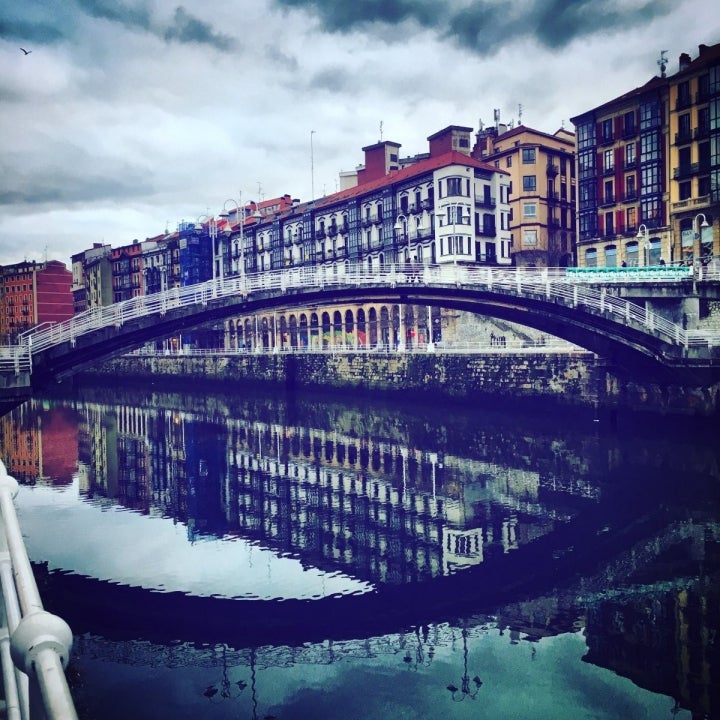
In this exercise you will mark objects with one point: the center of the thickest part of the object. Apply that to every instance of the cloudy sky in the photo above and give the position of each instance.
(129, 116)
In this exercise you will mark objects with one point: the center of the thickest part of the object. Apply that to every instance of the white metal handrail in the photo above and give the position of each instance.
(34, 644)
(553, 284)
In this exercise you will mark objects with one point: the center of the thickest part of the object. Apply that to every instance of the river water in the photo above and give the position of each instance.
(221, 553)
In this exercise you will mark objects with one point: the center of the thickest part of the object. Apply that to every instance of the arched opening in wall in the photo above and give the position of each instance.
(433, 253)
(591, 257)
(314, 332)
(385, 327)
(410, 339)
(381, 261)
(265, 333)
(325, 330)
(304, 332)
(346, 267)
(337, 329)
(249, 335)
(361, 328)
(294, 343)
(395, 328)
(369, 264)
(349, 338)
(632, 254)
(240, 341)
(654, 251)
(611, 256)
(373, 327)
(231, 335)
(284, 339)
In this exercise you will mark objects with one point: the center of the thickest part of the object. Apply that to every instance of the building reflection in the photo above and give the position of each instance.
(383, 509)
(378, 509)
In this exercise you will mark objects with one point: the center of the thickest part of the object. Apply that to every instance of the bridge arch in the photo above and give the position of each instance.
(627, 336)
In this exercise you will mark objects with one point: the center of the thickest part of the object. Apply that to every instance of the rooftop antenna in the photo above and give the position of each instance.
(519, 113)
(662, 62)
(312, 168)
(381, 123)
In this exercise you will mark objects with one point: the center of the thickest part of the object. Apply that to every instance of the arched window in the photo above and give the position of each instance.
(349, 338)
(325, 330)
(373, 328)
(361, 328)
(611, 256)
(314, 331)
(591, 257)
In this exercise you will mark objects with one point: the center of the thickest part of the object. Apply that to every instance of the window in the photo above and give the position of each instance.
(529, 183)
(630, 154)
(609, 224)
(508, 161)
(649, 115)
(530, 238)
(649, 147)
(591, 257)
(631, 218)
(651, 179)
(630, 189)
(528, 156)
(608, 160)
(586, 135)
(609, 194)
(610, 256)
(454, 186)
(529, 209)
(607, 130)
(629, 123)
(685, 190)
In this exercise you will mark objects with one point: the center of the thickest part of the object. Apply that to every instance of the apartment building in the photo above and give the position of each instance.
(694, 151)
(645, 169)
(542, 190)
(32, 293)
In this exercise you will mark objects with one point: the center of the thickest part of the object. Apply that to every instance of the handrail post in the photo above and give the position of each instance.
(40, 643)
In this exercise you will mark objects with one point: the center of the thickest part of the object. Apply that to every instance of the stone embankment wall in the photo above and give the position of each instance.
(572, 379)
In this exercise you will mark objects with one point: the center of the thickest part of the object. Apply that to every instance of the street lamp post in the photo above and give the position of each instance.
(240, 215)
(697, 236)
(644, 236)
(401, 229)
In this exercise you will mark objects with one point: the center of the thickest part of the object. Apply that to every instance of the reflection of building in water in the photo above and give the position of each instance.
(390, 513)
(383, 510)
(39, 443)
(21, 443)
(664, 620)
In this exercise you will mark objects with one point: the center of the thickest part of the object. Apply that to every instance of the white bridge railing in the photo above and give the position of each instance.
(553, 284)
(34, 644)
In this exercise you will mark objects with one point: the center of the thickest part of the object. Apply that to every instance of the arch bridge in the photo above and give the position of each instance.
(631, 339)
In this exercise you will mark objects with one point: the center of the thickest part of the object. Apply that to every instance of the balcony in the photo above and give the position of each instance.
(608, 139)
(701, 132)
(552, 169)
(685, 171)
(683, 101)
(486, 202)
(683, 137)
(607, 199)
(320, 234)
(629, 132)
(630, 164)
(609, 170)
(630, 196)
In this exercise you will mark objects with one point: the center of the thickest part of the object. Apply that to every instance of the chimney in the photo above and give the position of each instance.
(684, 61)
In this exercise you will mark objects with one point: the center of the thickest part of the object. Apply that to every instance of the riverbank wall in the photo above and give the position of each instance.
(573, 379)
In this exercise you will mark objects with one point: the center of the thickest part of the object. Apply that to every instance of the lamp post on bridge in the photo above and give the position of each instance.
(644, 236)
(697, 236)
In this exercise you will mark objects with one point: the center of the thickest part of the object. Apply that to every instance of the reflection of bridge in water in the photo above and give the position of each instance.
(626, 335)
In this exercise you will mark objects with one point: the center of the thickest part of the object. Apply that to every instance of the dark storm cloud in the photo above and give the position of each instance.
(332, 79)
(60, 185)
(484, 25)
(187, 29)
(134, 17)
(28, 31)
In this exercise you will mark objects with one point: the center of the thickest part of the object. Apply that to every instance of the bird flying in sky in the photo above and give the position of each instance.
(27, 52)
